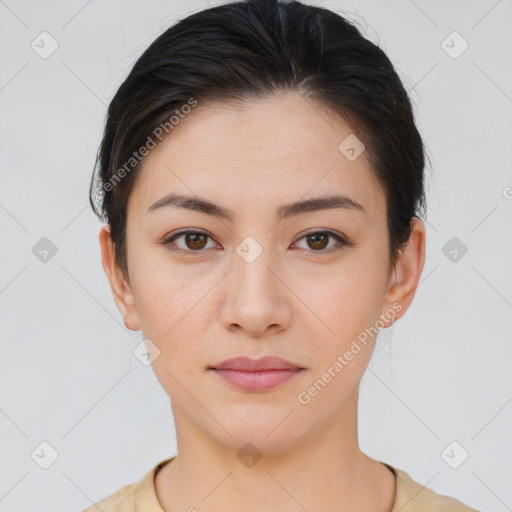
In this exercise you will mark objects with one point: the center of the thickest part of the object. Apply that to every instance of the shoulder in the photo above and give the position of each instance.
(411, 496)
(122, 500)
(135, 497)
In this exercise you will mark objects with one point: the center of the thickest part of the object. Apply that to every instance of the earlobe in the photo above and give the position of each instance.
(121, 290)
(408, 269)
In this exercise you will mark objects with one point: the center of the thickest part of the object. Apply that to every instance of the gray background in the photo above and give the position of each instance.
(68, 376)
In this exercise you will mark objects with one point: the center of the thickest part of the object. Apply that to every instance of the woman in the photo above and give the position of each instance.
(261, 180)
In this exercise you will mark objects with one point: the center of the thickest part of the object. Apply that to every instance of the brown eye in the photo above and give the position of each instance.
(318, 241)
(194, 241)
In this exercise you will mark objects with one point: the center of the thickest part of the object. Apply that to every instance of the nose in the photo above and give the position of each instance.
(257, 299)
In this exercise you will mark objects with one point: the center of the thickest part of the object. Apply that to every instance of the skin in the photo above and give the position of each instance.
(202, 309)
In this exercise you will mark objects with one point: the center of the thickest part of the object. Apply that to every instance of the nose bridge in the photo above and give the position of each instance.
(253, 261)
(256, 296)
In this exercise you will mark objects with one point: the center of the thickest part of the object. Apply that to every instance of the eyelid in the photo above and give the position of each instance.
(312, 231)
(171, 237)
(341, 239)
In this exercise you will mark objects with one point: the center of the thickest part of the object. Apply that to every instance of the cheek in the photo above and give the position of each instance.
(340, 355)
(170, 320)
(165, 299)
(346, 299)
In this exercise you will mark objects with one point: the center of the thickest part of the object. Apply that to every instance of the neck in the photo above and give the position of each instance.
(326, 470)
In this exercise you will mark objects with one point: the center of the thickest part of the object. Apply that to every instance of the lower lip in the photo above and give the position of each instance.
(259, 380)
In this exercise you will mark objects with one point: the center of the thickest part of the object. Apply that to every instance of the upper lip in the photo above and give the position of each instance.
(253, 365)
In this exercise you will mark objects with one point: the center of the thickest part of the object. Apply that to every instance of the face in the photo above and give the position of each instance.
(253, 283)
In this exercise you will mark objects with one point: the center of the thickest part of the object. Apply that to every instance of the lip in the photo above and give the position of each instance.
(247, 364)
(257, 375)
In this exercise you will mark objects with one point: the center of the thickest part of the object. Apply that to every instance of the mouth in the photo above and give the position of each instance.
(258, 375)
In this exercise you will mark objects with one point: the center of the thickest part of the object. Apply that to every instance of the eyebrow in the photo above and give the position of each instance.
(205, 206)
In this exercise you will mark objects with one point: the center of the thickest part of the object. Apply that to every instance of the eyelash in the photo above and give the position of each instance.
(337, 237)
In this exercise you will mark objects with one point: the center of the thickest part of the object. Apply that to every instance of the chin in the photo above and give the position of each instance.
(269, 429)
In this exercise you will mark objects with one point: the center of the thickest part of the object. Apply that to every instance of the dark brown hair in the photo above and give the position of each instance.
(253, 49)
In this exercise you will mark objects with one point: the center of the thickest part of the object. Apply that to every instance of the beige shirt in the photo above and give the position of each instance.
(410, 496)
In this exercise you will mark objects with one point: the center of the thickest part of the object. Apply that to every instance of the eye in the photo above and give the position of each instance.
(318, 240)
(194, 241)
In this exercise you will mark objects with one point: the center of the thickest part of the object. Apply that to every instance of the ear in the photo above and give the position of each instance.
(406, 274)
(119, 285)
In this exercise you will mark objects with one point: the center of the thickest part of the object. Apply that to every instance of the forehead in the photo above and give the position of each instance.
(267, 151)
